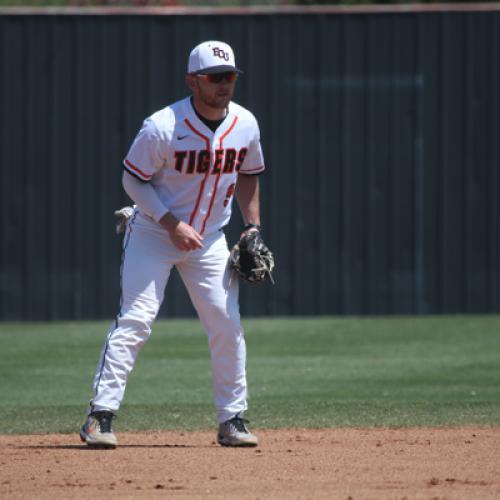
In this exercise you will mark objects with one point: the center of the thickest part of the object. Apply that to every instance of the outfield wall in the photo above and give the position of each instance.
(380, 129)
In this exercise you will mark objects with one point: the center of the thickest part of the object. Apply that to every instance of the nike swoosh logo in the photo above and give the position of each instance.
(180, 137)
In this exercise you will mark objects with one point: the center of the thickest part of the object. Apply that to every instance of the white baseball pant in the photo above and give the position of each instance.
(148, 257)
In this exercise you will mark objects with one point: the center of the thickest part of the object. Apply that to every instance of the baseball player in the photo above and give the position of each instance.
(182, 171)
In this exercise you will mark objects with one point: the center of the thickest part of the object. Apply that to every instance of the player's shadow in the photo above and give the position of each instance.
(84, 447)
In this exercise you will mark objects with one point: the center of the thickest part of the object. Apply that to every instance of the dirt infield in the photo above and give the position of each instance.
(444, 463)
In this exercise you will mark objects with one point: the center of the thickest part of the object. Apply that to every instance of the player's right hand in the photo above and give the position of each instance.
(184, 237)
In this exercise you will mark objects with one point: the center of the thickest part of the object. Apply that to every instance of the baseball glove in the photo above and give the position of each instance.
(251, 259)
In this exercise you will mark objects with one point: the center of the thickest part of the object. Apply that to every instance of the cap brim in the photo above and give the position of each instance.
(217, 69)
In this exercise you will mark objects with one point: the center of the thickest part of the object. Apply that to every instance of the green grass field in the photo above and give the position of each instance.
(303, 372)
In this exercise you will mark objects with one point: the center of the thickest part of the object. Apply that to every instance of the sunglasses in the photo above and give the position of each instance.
(229, 76)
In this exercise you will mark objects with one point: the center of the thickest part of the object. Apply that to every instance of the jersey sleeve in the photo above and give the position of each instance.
(254, 159)
(145, 156)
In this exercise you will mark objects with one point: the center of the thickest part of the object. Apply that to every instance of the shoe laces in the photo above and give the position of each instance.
(239, 424)
(104, 418)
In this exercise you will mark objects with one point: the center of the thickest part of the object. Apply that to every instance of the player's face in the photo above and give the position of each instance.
(215, 90)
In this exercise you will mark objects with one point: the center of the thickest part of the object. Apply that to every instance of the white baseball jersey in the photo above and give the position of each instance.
(192, 169)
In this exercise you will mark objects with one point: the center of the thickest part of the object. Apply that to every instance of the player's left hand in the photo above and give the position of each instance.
(251, 259)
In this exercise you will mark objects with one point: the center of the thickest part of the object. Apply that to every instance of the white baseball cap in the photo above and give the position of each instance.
(212, 57)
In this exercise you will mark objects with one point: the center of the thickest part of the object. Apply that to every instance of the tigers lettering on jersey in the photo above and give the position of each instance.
(225, 161)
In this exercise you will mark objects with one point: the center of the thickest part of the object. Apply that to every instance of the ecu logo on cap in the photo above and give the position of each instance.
(221, 53)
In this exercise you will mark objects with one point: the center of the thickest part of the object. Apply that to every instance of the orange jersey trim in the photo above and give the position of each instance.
(252, 170)
(137, 170)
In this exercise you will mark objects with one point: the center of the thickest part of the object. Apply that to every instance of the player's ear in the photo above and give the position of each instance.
(190, 82)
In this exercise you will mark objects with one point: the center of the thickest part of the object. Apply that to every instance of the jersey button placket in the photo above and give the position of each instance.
(200, 217)
(209, 188)
(214, 182)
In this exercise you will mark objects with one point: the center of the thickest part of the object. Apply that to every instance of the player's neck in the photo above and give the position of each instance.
(207, 111)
